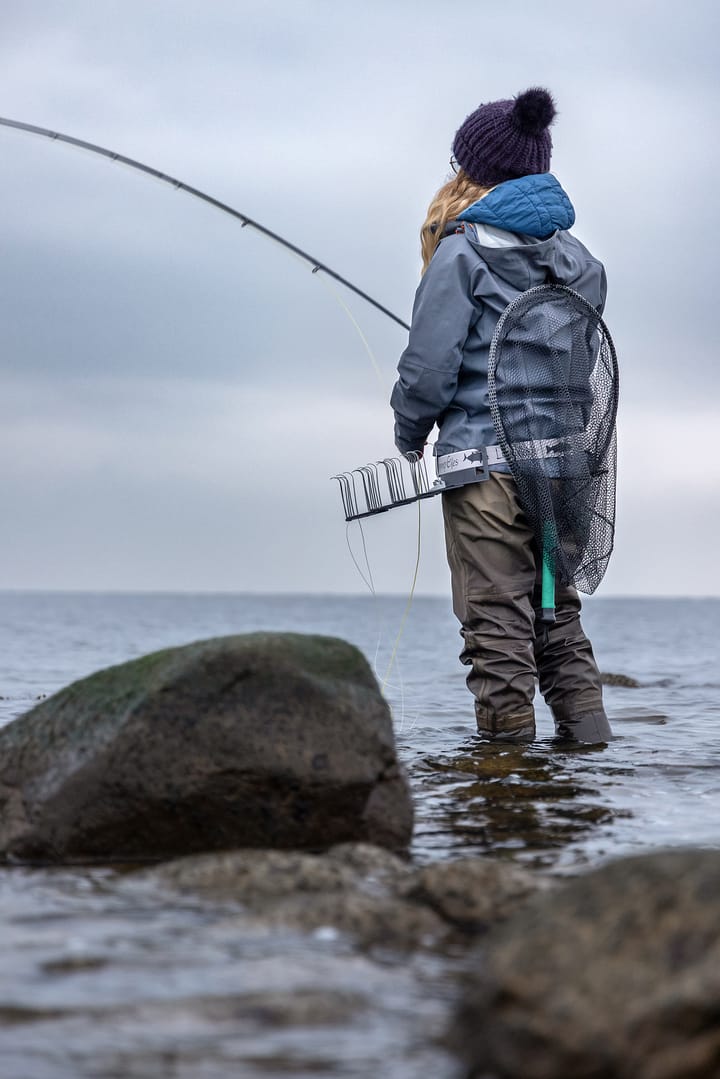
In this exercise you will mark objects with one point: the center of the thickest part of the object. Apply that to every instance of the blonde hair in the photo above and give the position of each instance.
(452, 198)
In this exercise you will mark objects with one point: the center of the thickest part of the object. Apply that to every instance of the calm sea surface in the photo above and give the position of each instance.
(657, 784)
(99, 981)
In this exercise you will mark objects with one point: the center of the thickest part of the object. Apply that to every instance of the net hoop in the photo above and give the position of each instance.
(528, 399)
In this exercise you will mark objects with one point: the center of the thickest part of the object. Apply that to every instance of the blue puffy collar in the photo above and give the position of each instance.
(534, 205)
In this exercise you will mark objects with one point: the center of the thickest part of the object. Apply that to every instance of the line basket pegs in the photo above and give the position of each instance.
(382, 485)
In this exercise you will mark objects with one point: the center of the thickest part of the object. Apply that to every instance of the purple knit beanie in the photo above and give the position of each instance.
(506, 139)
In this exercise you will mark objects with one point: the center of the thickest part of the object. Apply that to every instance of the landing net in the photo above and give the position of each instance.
(553, 390)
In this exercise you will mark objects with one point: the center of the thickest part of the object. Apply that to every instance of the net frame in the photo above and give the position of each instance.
(566, 482)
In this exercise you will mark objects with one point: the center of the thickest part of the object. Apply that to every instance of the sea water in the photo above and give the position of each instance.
(656, 784)
(102, 982)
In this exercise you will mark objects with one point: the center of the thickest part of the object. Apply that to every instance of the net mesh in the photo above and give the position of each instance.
(553, 389)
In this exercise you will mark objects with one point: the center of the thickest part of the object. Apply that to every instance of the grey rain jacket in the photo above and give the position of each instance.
(515, 238)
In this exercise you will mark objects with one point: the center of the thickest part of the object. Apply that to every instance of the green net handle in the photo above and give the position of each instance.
(547, 601)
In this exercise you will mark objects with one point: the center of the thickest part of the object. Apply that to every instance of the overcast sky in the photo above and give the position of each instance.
(176, 391)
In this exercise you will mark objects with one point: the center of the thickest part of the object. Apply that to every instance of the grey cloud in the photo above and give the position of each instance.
(332, 126)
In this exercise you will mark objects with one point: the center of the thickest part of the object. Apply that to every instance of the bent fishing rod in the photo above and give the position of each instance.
(178, 185)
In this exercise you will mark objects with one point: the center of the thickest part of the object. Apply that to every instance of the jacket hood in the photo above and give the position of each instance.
(521, 232)
(533, 205)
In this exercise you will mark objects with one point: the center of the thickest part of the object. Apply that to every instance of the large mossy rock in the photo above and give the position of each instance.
(266, 739)
(613, 976)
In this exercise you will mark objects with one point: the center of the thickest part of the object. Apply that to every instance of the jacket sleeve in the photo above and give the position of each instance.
(444, 310)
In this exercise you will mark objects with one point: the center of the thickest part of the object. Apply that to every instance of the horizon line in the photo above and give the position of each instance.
(257, 593)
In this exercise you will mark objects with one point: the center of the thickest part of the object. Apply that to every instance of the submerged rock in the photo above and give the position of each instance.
(266, 739)
(253, 877)
(354, 888)
(609, 679)
(613, 976)
(472, 893)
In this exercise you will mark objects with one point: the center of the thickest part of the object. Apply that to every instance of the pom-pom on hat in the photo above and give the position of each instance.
(506, 139)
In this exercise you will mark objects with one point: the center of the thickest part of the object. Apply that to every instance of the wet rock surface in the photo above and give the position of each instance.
(353, 889)
(472, 893)
(108, 980)
(265, 739)
(356, 889)
(608, 678)
(614, 976)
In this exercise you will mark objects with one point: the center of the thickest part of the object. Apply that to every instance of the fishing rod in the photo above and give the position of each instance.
(244, 220)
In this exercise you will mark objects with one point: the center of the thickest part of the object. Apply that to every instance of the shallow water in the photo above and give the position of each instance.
(103, 979)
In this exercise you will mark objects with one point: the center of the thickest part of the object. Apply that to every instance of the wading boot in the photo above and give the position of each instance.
(592, 728)
(516, 727)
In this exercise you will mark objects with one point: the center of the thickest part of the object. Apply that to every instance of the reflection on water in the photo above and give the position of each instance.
(511, 801)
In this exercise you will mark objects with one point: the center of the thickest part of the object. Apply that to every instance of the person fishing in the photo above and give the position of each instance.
(497, 228)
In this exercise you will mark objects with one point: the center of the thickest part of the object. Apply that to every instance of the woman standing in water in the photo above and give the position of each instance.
(497, 228)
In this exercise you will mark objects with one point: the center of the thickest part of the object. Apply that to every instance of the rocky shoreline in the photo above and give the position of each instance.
(259, 774)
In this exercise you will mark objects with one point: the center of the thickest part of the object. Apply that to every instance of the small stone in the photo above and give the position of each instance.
(371, 920)
(472, 893)
(253, 876)
(609, 679)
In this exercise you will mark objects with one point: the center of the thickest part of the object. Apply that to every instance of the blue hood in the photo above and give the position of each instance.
(534, 205)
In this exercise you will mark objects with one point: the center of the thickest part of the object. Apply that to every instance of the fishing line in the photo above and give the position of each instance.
(317, 267)
(367, 560)
(408, 605)
(373, 360)
(374, 595)
(371, 585)
(368, 583)
(384, 682)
